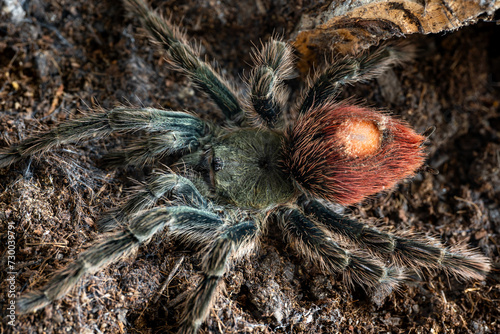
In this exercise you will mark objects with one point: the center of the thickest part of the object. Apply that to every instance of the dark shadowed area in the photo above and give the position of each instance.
(62, 59)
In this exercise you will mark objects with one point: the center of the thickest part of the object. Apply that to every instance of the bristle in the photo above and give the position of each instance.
(466, 263)
(344, 153)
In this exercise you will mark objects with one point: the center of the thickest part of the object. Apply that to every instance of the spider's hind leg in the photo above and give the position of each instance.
(273, 64)
(411, 252)
(347, 71)
(313, 241)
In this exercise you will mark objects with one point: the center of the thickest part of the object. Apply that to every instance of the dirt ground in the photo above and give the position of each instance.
(67, 57)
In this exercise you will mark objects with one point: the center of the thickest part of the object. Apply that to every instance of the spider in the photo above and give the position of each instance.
(228, 183)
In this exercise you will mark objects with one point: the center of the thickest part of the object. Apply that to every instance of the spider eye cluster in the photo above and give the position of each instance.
(217, 164)
(344, 153)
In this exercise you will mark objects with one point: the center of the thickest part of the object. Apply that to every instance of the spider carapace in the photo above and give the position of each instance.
(230, 181)
(241, 168)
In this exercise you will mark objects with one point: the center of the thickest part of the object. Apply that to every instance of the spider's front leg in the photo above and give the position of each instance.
(154, 121)
(154, 146)
(191, 225)
(187, 59)
(175, 188)
(234, 242)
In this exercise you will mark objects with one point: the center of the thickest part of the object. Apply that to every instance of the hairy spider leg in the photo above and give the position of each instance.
(232, 243)
(273, 64)
(188, 224)
(186, 59)
(175, 188)
(414, 252)
(346, 71)
(144, 151)
(102, 124)
(312, 241)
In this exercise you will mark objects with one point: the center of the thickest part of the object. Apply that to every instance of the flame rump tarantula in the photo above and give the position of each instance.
(230, 182)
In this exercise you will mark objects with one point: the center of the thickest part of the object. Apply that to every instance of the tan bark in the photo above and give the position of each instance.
(347, 27)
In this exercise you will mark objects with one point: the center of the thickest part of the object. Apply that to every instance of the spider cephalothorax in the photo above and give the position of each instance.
(230, 181)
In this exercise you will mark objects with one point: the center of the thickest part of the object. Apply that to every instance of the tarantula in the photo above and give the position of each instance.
(229, 182)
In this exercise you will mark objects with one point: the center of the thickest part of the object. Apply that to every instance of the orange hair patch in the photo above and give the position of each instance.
(359, 137)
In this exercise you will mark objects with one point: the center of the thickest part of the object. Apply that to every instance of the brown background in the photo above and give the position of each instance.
(75, 55)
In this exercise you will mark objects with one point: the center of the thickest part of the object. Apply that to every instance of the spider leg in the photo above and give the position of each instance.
(155, 146)
(102, 124)
(172, 186)
(414, 252)
(192, 225)
(268, 95)
(316, 244)
(186, 59)
(233, 242)
(347, 71)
